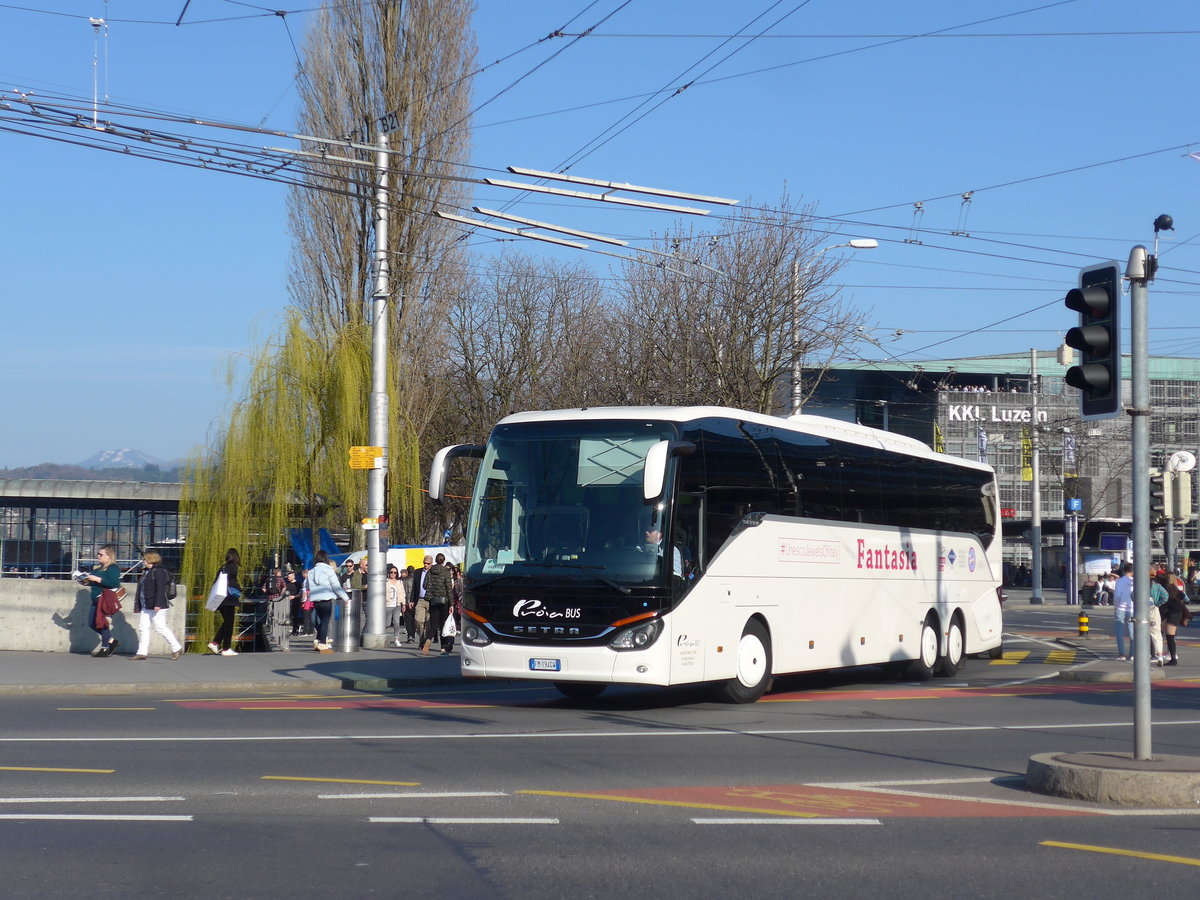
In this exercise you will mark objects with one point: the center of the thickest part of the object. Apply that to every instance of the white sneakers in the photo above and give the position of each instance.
(229, 652)
(213, 648)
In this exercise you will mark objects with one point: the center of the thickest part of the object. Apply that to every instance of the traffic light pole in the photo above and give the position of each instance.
(1139, 274)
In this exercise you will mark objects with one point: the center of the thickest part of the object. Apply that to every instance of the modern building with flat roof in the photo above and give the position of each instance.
(983, 408)
(48, 527)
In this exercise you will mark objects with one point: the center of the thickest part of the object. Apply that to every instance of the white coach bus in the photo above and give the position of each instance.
(677, 545)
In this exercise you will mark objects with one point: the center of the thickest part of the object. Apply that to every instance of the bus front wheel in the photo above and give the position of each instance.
(753, 666)
(921, 668)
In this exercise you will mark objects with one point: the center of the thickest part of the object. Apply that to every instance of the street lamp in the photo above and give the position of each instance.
(797, 362)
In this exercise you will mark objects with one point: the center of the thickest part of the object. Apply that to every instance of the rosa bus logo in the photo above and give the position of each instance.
(1008, 512)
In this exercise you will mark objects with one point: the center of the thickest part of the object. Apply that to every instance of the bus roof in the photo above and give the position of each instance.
(820, 426)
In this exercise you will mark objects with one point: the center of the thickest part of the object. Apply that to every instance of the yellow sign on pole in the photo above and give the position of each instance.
(364, 457)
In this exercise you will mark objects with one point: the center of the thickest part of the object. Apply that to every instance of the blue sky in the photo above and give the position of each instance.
(128, 285)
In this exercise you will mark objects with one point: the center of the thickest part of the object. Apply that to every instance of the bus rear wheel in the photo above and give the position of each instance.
(580, 690)
(753, 667)
(949, 664)
(921, 668)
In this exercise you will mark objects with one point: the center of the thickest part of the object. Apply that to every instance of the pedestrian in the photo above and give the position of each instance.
(323, 587)
(439, 588)
(152, 601)
(421, 602)
(295, 591)
(222, 642)
(1123, 610)
(358, 589)
(1158, 599)
(105, 576)
(393, 603)
(1174, 614)
(409, 578)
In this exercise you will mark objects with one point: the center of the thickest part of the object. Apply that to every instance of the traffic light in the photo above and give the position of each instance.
(1161, 496)
(1181, 503)
(1098, 338)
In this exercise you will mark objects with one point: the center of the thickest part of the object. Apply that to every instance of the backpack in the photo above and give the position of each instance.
(170, 583)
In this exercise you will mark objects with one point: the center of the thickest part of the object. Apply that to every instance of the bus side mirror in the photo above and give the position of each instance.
(654, 475)
(441, 463)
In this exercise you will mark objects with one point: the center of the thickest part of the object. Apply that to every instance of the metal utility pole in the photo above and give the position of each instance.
(1139, 273)
(375, 638)
(1035, 507)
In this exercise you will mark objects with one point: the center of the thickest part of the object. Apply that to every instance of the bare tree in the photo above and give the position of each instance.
(716, 324)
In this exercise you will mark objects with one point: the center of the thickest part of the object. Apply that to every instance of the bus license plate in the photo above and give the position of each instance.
(545, 665)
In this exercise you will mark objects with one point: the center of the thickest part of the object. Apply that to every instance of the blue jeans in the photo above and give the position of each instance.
(1121, 629)
(105, 632)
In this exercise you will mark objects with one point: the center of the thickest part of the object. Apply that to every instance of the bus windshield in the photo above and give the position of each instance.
(565, 500)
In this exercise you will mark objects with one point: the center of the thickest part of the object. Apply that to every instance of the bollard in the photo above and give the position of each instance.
(1083, 622)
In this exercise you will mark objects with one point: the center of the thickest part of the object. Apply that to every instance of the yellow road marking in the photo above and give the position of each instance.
(45, 769)
(1010, 658)
(291, 707)
(339, 780)
(1060, 656)
(1116, 851)
(650, 802)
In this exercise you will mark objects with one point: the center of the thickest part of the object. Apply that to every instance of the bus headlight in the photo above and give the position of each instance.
(474, 635)
(637, 637)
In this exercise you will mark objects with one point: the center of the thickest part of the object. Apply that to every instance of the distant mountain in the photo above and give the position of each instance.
(111, 465)
(126, 458)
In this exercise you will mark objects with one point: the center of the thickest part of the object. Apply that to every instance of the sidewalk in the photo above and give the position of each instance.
(301, 669)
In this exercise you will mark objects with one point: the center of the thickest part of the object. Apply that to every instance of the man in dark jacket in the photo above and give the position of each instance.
(439, 587)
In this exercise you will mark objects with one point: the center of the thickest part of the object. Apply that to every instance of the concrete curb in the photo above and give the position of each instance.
(1164, 782)
(1106, 671)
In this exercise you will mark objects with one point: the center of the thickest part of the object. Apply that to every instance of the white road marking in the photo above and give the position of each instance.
(68, 817)
(896, 788)
(588, 735)
(88, 799)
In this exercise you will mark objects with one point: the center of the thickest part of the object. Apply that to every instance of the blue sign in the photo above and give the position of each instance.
(1074, 504)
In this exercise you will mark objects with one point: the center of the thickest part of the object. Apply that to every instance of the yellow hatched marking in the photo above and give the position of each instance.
(45, 769)
(1117, 851)
(651, 802)
(1010, 658)
(339, 780)
(1060, 656)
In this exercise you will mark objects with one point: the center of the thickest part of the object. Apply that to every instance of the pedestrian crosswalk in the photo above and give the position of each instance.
(1043, 656)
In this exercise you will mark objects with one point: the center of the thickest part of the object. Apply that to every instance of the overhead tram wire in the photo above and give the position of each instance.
(592, 146)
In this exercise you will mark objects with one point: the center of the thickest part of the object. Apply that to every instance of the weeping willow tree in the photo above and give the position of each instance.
(280, 458)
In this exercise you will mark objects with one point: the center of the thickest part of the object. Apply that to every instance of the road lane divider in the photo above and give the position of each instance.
(776, 821)
(340, 780)
(81, 817)
(50, 769)
(446, 820)
(20, 800)
(414, 795)
(1118, 851)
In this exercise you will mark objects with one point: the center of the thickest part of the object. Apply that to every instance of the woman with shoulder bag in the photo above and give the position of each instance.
(105, 576)
(222, 642)
(1174, 614)
(152, 602)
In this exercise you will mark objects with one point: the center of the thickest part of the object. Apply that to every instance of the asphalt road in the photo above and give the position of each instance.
(832, 786)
